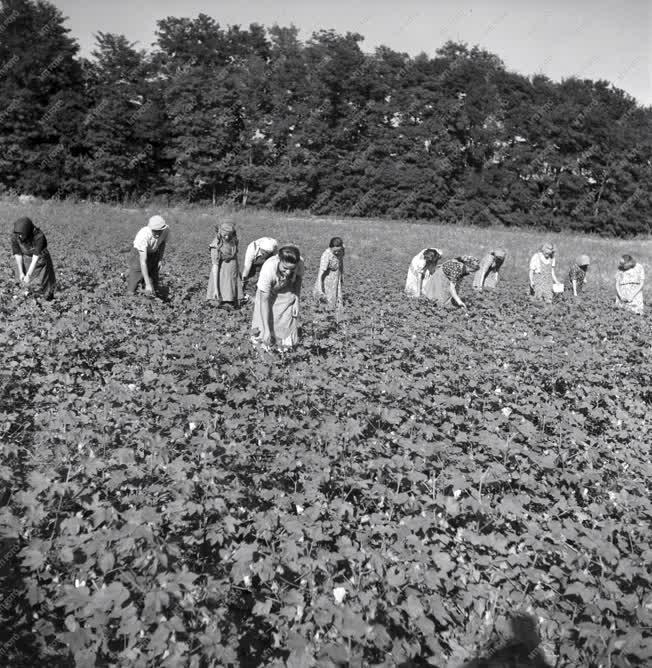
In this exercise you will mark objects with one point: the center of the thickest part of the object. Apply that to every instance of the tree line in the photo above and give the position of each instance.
(257, 117)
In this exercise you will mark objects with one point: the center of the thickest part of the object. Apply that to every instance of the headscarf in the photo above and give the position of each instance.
(470, 262)
(582, 260)
(24, 227)
(226, 241)
(157, 223)
(500, 253)
(226, 228)
(547, 248)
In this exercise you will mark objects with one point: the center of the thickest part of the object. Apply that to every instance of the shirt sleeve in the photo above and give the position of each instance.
(418, 264)
(213, 250)
(40, 243)
(535, 265)
(323, 263)
(141, 242)
(486, 265)
(553, 262)
(267, 278)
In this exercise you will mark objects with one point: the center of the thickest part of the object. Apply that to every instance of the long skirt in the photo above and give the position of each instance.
(437, 288)
(224, 282)
(332, 281)
(136, 275)
(635, 305)
(43, 281)
(285, 326)
(542, 284)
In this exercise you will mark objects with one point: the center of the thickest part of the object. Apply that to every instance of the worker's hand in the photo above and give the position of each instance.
(25, 279)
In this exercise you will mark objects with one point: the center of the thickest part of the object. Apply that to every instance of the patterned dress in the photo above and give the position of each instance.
(224, 282)
(283, 294)
(331, 269)
(542, 280)
(42, 281)
(577, 274)
(437, 286)
(630, 284)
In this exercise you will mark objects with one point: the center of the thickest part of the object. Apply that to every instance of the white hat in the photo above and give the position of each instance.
(157, 223)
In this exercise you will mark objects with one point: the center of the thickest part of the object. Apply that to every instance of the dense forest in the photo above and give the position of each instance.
(257, 117)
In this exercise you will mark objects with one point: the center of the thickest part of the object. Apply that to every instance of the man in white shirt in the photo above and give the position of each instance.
(146, 256)
(257, 252)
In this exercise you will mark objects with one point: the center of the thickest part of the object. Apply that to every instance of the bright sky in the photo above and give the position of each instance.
(593, 39)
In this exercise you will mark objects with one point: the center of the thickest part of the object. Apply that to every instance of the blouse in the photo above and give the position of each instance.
(269, 280)
(146, 242)
(33, 246)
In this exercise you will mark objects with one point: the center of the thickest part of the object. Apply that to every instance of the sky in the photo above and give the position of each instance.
(590, 39)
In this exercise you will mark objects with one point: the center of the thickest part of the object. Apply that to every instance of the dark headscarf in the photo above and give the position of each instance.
(25, 227)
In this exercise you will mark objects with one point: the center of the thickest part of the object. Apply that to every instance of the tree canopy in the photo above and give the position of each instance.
(255, 116)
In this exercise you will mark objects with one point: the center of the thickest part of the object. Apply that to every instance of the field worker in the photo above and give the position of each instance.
(629, 284)
(30, 250)
(487, 274)
(444, 283)
(329, 275)
(276, 307)
(542, 273)
(225, 282)
(146, 256)
(421, 268)
(577, 274)
(257, 253)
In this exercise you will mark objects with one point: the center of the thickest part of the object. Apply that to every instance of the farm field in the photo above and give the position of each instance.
(384, 495)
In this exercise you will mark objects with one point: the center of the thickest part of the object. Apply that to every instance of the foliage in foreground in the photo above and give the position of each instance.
(383, 495)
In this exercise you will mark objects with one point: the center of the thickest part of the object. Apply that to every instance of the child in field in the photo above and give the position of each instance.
(225, 282)
(443, 284)
(329, 275)
(487, 274)
(577, 274)
(542, 273)
(629, 284)
(276, 308)
(421, 268)
(147, 255)
(30, 250)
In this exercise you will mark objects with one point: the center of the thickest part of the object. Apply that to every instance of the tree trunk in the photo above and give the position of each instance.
(597, 201)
